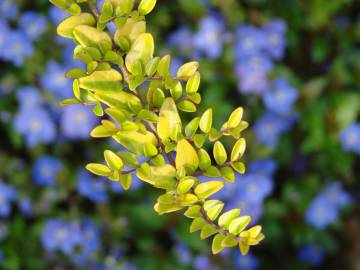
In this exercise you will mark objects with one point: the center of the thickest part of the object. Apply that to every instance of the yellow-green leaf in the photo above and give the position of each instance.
(125, 180)
(187, 70)
(235, 118)
(66, 27)
(98, 169)
(89, 36)
(107, 80)
(237, 225)
(207, 189)
(113, 160)
(169, 124)
(197, 224)
(185, 185)
(193, 211)
(146, 6)
(216, 246)
(204, 159)
(220, 154)
(229, 241)
(227, 217)
(141, 50)
(193, 83)
(238, 149)
(186, 156)
(206, 121)
(207, 231)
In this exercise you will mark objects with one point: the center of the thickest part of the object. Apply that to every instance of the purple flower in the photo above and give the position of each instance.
(269, 128)
(7, 196)
(275, 43)
(60, 235)
(208, 40)
(35, 125)
(92, 188)
(54, 81)
(33, 24)
(17, 47)
(321, 213)
(248, 262)
(249, 40)
(181, 39)
(4, 32)
(77, 122)
(312, 254)
(182, 253)
(336, 194)
(281, 98)
(255, 63)
(57, 15)
(46, 170)
(25, 206)
(350, 138)
(29, 97)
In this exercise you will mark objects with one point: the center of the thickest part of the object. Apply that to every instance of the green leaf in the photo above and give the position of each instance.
(98, 169)
(163, 68)
(204, 159)
(207, 231)
(185, 185)
(186, 156)
(169, 125)
(192, 126)
(66, 27)
(197, 224)
(229, 241)
(69, 101)
(150, 150)
(186, 106)
(206, 121)
(158, 97)
(146, 6)
(117, 115)
(109, 80)
(237, 225)
(220, 154)
(159, 176)
(187, 70)
(166, 208)
(214, 210)
(216, 246)
(101, 132)
(141, 50)
(151, 66)
(97, 110)
(113, 160)
(238, 149)
(193, 211)
(135, 140)
(235, 118)
(75, 73)
(212, 171)
(193, 83)
(119, 100)
(129, 32)
(186, 199)
(89, 36)
(125, 180)
(128, 158)
(227, 217)
(199, 140)
(125, 7)
(207, 189)
(228, 174)
(239, 167)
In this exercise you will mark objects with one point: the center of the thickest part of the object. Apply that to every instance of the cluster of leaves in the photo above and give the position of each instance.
(142, 101)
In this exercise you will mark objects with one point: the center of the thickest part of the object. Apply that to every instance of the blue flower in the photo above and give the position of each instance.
(35, 125)
(249, 40)
(270, 126)
(312, 254)
(253, 209)
(29, 97)
(60, 235)
(248, 262)
(321, 213)
(8, 9)
(275, 38)
(57, 15)
(25, 206)
(33, 24)
(281, 98)
(335, 193)
(181, 39)
(255, 82)
(92, 188)
(203, 263)
(264, 166)
(253, 187)
(91, 236)
(208, 40)
(175, 64)
(255, 63)
(4, 32)
(77, 122)
(54, 80)
(182, 253)
(46, 170)
(7, 196)
(350, 138)
(17, 47)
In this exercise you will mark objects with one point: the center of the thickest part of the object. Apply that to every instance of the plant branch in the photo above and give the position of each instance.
(94, 9)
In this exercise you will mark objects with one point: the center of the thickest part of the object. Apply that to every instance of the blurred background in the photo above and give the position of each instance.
(293, 65)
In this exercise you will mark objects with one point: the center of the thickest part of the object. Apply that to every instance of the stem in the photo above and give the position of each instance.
(94, 9)
(210, 222)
